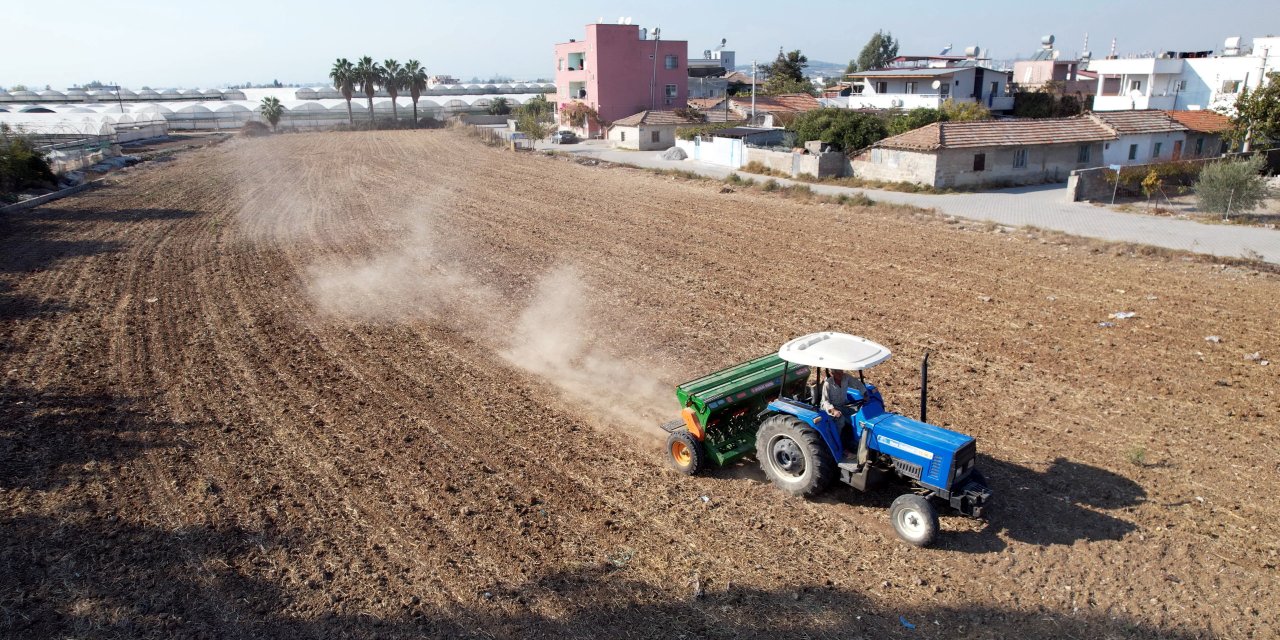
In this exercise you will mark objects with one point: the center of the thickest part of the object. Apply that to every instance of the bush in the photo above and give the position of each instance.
(21, 165)
(845, 129)
(1232, 185)
(253, 129)
(770, 185)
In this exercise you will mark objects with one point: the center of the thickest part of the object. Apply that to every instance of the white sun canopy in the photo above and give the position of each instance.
(831, 350)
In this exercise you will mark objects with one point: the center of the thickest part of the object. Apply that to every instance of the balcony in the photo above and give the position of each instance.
(904, 101)
(577, 91)
(1125, 103)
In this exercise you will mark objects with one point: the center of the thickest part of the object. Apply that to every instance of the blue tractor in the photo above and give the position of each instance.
(764, 407)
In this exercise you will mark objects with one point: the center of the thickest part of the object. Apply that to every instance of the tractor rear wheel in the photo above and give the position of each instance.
(685, 453)
(914, 519)
(794, 456)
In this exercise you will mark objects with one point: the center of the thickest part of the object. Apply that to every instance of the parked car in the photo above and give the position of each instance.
(564, 137)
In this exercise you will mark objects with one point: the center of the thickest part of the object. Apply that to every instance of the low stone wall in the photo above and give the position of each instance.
(819, 165)
(1099, 184)
(50, 197)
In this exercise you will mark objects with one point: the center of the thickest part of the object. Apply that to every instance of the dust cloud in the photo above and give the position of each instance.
(554, 339)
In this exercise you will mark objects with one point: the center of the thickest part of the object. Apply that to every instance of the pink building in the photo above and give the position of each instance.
(620, 70)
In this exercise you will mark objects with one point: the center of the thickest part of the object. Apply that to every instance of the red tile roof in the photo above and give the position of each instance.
(1202, 121)
(1140, 121)
(652, 117)
(999, 133)
(781, 103)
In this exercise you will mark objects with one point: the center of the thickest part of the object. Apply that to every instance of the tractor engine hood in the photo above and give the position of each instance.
(920, 450)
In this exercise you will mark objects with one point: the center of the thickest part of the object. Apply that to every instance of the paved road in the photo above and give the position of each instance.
(1041, 206)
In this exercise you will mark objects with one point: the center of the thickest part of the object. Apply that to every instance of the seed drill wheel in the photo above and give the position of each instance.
(914, 519)
(685, 453)
(793, 456)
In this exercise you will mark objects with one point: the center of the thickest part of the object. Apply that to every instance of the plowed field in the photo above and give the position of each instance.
(400, 384)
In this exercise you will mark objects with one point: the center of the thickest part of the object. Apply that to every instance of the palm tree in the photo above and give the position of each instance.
(271, 110)
(415, 80)
(344, 77)
(391, 77)
(368, 75)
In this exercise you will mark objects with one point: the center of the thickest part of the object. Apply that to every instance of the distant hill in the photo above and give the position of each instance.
(815, 68)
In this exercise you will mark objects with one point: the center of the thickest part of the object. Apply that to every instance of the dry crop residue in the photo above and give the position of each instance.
(398, 384)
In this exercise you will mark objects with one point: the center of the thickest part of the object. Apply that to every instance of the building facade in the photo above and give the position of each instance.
(1181, 83)
(929, 87)
(617, 71)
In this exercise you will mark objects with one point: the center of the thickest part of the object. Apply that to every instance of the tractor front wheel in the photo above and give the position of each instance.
(685, 453)
(914, 519)
(794, 456)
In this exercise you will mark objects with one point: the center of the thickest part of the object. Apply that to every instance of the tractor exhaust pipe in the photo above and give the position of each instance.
(924, 388)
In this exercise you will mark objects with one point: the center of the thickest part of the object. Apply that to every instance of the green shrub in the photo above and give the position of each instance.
(1232, 186)
(704, 130)
(21, 165)
(770, 185)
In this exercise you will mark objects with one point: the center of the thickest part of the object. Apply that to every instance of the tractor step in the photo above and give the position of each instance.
(860, 476)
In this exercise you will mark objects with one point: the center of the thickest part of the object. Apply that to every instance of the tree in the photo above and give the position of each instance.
(343, 75)
(415, 80)
(878, 51)
(962, 111)
(787, 72)
(531, 126)
(913, 119)
(271, 109)
(1232, 185)
(1257, 117)
(392, 74)
(499, 106)
(846, 129)
(21, 165)
(368, 74)
(539, 107)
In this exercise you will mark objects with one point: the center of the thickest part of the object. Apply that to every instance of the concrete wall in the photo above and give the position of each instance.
(821, 165)
(726, 152)
(1097, 183)
(955, 167)
(1045, 163)
(896, 165)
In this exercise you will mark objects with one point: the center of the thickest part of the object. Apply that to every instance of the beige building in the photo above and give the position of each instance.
(648, 130)
(986, 152)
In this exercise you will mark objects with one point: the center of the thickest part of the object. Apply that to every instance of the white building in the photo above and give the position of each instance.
(912, 82)
(1185, 83)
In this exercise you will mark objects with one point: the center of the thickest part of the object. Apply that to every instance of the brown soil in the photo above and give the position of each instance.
(316, 386)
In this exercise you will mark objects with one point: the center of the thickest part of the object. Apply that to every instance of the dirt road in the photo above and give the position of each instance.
(399, 384)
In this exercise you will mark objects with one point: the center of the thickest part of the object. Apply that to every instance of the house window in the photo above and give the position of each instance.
(1200, 146)
(1020, 158)
(1155, 149)
(657, 136)
(1181, 86)
(911, 87)
(673, 62)
(979, 162)
(877, 156)
(1231, 86)
(995, 90)
(1133, 152)
(1135, 85)
(945, 89)
(671, 91)
(624, 135)
(1083, 155)
(560, 64)
(882, 87)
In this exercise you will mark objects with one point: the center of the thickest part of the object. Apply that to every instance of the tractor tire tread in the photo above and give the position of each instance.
(811, 443)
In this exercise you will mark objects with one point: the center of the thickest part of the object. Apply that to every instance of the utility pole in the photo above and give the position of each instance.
(753, 93)
(653, 84)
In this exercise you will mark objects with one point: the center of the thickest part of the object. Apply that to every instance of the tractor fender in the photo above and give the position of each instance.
(818, 420)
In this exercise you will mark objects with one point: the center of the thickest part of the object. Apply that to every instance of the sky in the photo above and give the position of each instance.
(182, 44)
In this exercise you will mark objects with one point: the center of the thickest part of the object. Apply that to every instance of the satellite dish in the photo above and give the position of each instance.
(600, 20)
(628, 19)
(945, 50)
(937, 84)
(724, 41)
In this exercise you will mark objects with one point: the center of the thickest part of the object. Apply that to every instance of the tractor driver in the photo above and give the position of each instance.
(835, 400)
